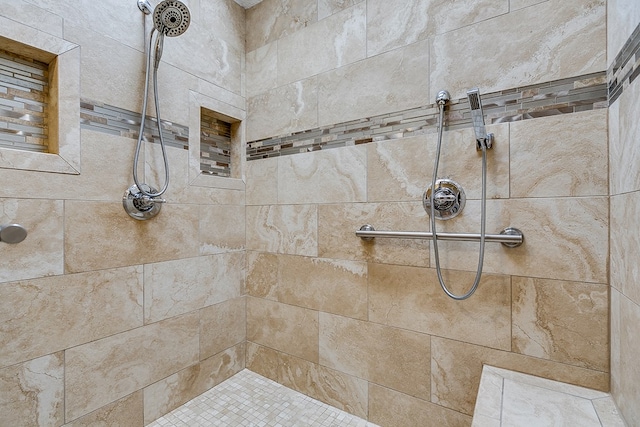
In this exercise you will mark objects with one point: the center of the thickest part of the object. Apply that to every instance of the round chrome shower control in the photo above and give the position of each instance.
(139, 205)
(448, 199)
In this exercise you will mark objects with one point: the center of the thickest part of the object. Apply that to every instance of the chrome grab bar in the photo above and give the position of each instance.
(510, 237)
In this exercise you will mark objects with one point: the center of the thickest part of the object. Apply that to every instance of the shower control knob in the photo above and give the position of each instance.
(448, 199)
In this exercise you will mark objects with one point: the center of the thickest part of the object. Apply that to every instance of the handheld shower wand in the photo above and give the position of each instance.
(477, 117)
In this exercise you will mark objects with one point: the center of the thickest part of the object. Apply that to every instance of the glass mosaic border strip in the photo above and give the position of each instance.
(24, 94)
(564, 96)
(625, 67)
(120, 122)
(215, 144)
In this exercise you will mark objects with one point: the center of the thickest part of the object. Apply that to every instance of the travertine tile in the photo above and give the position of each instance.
(331, 43)
(520, 4)
(623, 150)
(262, 275)
(173, 391)
(332, 286)
(262, 69)
(396, 23)
(222, 326)
(622, 19)
(556, 242)
(271, 20)
(329, 7)
(126, 411)
(123, 240)
(41, 253)
(562, 321)
(265, 116)
(32, 393)
(457, 367)
(626, 387)
(367, 350)
(33, 16)
(222, 228)
(570, 39)
(381, 84)
(394, 409)
(288, 229)
(46, 315)
(180, 286)
(262, 182)
(562, 155)
(108, 369)
(338, 223)
(263, 360)
(411, 298)
(283, 327)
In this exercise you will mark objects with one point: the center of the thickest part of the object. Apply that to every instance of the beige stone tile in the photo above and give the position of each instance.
(520, 4)
(164, 396)
(32, 16)
(401, 170)
(564, 155)
(288, 229)
(126, 411)
(124, 240)
(32, 393)
(262, 69)
(105, 370)
(332, 286)
(615, 338)
(222, 228)
(337, 225)
(394, 409)
(332, 43)
(622, 19)
(262, 275)
(381, 84)
(41, 253)
(329, 7)
(411, 298)
(332, 387)
(265, 116)
(287, 328)
(368, 350)
(396, 23)
(180, 286)
(623, 149)
(262, 182)
(263, 360)
(563, 321)
(47, 315)
(224, 19)
(564, 238)
(627, 386)
(222, 326)
(271, 20)
(608, 412)
(457, 367)
(330, 176)
(553, 56)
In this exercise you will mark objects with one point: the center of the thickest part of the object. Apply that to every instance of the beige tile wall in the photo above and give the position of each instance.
(414, 357)
(103, 319)
(623, 17)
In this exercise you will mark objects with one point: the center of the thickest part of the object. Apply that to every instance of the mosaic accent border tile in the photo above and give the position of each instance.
(24, 93)
(564, 96)
(215, 144)
(104, 118)
(625, 67)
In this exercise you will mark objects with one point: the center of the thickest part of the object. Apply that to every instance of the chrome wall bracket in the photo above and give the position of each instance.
(140, 206)
(12, 233)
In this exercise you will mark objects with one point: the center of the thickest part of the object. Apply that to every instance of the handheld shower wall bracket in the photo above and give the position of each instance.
(483, 139)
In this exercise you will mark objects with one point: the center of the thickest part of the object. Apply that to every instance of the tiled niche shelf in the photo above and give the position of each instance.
(564, 96)
(215, 144)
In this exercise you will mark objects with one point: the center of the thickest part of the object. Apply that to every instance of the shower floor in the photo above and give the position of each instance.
(251, 400)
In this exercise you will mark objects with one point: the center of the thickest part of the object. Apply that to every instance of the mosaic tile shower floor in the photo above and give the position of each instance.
(250, 400)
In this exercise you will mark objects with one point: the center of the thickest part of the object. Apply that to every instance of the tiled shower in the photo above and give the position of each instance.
(331, 105)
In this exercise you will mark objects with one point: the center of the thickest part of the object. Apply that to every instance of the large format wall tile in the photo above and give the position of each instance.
(126, 411)
(625, 271)
(391, 408)
(337, 225)
(559, 40)
(103, 371)
(283, 327)
(563, 321)
(381, 84)
(324, 176)
(384, 355)
(329, 7)
(262, 275)
(41, 253)
(331, 43)
(46, 315)
(623, 17)
(262, 69)
(180, 286)
(32, 393)
(624, 150)
(411, 298)
(222, 326)
(562, 155)
(288, 229)
(262, 182)
(222, 228)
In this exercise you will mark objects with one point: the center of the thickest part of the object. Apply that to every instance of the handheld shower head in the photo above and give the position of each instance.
(171, 18)
(477, 117)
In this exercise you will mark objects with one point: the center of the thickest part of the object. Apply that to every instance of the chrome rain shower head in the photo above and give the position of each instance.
(477, 117)
(171, 18)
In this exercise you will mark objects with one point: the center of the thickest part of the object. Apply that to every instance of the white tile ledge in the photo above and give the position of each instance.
(507, 398)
